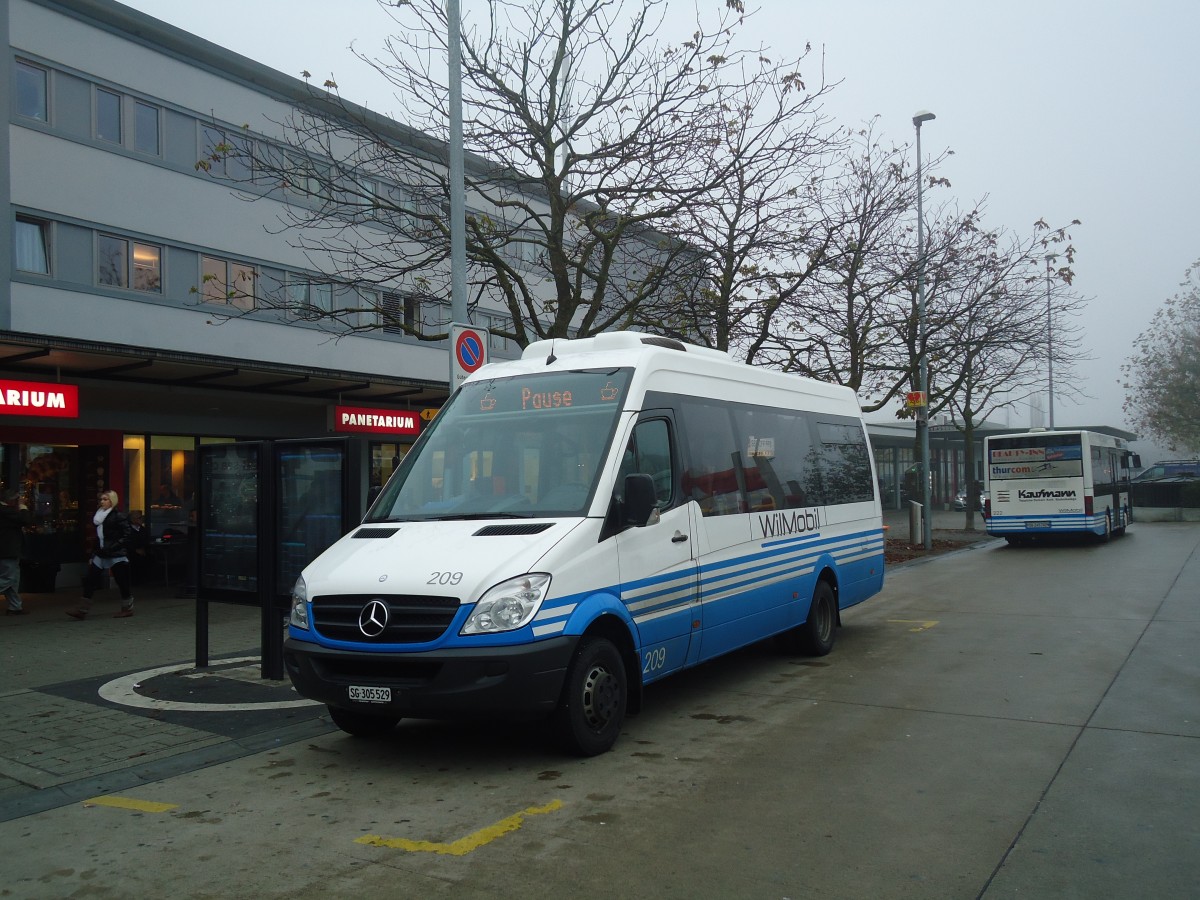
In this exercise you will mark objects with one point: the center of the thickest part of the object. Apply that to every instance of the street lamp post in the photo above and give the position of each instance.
(458, 215)
(1050, 342)
(923, 363)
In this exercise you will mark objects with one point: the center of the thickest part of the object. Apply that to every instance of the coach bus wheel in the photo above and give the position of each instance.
(818, 631)
(1107, 536)
(360, 724)
(592, 709)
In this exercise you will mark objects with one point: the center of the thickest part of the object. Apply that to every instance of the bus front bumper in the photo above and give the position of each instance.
(489, 682)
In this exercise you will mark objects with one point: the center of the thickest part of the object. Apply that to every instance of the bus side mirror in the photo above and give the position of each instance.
(641, 504)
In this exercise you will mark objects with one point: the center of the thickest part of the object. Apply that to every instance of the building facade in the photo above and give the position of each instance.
(132, 323)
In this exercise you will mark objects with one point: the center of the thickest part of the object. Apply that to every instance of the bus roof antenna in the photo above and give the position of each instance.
(551, 357)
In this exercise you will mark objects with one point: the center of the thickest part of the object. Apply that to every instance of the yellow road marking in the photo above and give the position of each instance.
(921, 624)
(130, 803)
(465, 845)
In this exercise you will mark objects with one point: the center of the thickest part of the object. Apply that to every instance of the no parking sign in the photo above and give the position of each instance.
(468, 351)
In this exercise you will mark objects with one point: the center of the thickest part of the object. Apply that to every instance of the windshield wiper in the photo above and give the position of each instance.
(484, 515)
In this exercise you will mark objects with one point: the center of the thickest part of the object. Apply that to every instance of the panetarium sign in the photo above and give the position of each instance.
(32, 398)
(363, 420)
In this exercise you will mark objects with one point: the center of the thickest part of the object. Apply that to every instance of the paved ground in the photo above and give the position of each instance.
(107, 704)
(999, 722)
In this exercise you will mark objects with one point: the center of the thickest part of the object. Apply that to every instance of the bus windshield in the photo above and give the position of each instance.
(527, 446)
(1049, 455)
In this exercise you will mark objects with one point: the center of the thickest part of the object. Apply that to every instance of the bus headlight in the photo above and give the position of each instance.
(509, 605)
(299, 614)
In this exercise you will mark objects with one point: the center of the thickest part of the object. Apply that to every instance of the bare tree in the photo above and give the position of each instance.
(587, 139)
(849, 320)
(757, 235)
(1162, 377)
(993, 342)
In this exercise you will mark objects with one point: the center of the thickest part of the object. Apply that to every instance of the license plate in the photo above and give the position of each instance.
(1037, 524)
(370, 694)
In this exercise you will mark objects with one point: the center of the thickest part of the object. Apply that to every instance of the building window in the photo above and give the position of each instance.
(112, 261)
(364, 309)
(117, 257)
(215, 149)
(306, 176)
(227, 282)
(147, 267)
(31, 91)
(304, 299)
(145, 128)
(32, 246)
(108, 116)
(391, 314)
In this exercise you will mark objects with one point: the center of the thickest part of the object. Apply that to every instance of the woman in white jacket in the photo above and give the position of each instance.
(113, 531)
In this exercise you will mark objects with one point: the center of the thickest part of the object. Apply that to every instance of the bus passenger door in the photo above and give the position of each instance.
(657, 562)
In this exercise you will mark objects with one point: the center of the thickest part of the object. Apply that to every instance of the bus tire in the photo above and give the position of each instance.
(816, 635)
(1107, 535)
(595, 693)
(360, 724)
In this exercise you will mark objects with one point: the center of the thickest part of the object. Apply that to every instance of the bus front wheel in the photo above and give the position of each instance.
(592, 709)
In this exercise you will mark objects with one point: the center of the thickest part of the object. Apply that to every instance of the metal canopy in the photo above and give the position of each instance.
(47, 358)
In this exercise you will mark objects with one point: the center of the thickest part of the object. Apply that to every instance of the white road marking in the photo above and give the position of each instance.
(123, 690)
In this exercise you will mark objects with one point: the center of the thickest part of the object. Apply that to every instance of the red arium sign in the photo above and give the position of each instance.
(32, 398)
(363, 420)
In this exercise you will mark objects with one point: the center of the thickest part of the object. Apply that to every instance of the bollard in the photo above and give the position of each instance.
(916, 527)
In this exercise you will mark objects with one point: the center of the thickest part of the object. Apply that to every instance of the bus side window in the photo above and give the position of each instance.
(649, 453)
(713, 472)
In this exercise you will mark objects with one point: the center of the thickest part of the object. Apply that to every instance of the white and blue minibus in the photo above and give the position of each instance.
(582, 522)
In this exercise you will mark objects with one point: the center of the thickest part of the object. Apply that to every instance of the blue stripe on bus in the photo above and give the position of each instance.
(787, 558)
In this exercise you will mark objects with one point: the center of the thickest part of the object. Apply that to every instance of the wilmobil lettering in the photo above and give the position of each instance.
(780, 524)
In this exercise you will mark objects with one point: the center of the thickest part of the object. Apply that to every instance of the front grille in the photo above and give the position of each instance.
(411, 619)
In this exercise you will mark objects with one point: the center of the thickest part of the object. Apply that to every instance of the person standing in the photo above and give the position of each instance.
(113, 532)
(137, 548)
(14, 516)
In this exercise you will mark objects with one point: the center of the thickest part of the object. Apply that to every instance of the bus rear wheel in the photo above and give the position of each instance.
(361, 724)
(595, 693)
(815, 637)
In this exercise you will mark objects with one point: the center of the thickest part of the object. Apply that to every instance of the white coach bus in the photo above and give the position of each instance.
(1043, 483)
(584, 521)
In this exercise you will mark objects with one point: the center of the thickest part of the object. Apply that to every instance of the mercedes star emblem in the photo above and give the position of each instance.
(373, 619)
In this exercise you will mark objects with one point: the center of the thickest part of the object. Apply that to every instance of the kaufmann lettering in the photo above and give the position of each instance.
(782, 523)
(33, 399)
(1046, 495)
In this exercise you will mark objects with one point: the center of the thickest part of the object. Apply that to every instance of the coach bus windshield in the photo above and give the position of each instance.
(520, 447)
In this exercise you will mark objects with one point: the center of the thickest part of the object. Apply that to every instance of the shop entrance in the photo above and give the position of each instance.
(59, 483)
